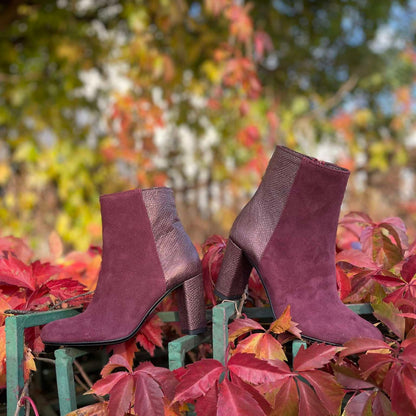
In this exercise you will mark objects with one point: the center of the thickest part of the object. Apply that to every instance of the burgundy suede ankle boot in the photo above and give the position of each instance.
(287, 232)
(146, 254)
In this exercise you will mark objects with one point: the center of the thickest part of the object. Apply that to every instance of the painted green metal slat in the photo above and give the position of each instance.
(15, 326)
(64, 358)
(179, 347)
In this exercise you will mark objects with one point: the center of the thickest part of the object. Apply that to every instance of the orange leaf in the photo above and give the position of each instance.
(283, 323)
(264, 346)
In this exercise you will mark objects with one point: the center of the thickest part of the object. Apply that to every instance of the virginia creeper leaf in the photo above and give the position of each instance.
(121, 396)
(126, 349)
(309, 404)
(148, 398)
(258, 397)
(329, 392)
(233, 400)
(164, 377)
(315, 356)
(409, 269)
(282, 323)
(382, 405)
(15, 272)
(264, 346)
(287, 400)
(255, 371)
(357, 345)
(199, 378)
(360, 404)
(349, 377)
(372, 362)
(115, 361)
(104, 385)
(207, 405)
(356, 258)
(241, 326)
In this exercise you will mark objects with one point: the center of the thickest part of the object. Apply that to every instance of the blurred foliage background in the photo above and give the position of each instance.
(102, 96)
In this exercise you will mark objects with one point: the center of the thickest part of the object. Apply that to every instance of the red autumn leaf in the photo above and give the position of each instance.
(329, 392)
(356, 258)
(126, 349)
(199, 378)
(256, 371)
(150, 334)
(120, 396)
(104, 385)
(409, 269)
(287, 400)
(343, 283)
(388, 281)
(409, 354)
(263, 403)
(402, 390)
(213, 254)
(41, 272)
(236, 401)
(241, 326)
(65, 288)
(382, 405)
(207, 405)
(309, 404)
(15, 272)
(114, 362)
(349, 377)
(357, 345)
(315, 356)
(359, 404)
(369, 363)
(148, 396)
(164, 377)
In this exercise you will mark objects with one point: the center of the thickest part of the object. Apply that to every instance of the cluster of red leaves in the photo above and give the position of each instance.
(247, 385)
(381, 267)
(147, 389)
(384, 380)
(263, 343)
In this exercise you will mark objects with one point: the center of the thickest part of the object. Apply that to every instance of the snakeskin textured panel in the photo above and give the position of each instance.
(178, 256)
(192, 312)
(255, 224)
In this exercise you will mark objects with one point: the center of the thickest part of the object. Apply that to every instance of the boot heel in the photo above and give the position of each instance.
(191, 306)
(234, 273)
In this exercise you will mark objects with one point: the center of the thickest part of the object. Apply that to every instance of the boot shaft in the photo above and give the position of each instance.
(318, 186)
(149, 215)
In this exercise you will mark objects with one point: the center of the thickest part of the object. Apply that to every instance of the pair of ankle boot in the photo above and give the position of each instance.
(286, 232)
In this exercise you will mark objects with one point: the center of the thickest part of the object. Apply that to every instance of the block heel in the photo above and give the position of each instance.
(191, 306)
(234, 274)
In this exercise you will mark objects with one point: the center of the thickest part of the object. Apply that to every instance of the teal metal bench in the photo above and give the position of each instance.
(225, 311)
(64, 357)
